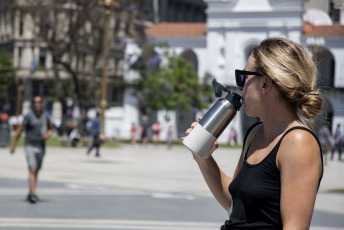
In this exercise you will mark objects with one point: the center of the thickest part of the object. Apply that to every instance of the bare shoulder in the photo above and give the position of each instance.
(298, 148)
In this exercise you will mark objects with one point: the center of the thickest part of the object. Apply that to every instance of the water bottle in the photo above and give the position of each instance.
(214, 122)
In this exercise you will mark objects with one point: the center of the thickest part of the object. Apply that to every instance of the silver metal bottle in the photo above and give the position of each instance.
(214, 122)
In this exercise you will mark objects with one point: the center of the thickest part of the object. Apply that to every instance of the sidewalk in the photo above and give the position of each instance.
(132, 188)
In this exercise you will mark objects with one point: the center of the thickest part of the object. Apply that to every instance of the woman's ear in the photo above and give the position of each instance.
(266, 84)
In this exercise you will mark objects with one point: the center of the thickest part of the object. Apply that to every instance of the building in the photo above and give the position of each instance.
(180, 11)
(224, 42)
(215, 35)
(47, 63)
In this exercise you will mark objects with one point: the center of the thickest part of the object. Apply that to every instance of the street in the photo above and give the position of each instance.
(132, 187)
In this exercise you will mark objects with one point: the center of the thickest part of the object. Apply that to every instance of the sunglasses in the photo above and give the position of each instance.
(240, 76)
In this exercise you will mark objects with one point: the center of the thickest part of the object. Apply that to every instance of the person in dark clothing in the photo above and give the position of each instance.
(325, 137)
(38, 128)
(274, 185)
(95, 132)
(145, 130)
(337, 143)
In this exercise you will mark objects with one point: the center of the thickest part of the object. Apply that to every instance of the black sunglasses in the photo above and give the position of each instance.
(240, 76)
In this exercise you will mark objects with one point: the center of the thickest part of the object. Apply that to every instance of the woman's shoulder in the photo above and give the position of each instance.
(299, 135)
(299, 144)
(299, 156)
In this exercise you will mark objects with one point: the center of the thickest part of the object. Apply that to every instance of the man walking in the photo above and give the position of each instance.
(95, 131)
(337, 142)
(38, 128)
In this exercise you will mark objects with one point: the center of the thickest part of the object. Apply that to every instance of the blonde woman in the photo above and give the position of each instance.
(276, 180)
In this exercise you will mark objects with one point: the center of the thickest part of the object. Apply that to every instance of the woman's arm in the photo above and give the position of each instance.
(300, 168)
(215, 178)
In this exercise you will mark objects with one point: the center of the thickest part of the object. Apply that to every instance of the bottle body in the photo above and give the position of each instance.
(213, 123)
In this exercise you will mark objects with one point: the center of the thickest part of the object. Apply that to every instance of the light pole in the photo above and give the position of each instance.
(107, 4)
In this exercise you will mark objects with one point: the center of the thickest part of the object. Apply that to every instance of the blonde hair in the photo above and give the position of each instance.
(293, 72)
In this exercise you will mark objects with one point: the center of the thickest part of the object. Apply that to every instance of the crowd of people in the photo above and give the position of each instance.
(146, 131)
(331, 142)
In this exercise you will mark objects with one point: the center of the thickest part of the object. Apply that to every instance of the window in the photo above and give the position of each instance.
(20, 56)
(42, 57)
(21, 24)
(40, 88)
(117, 96)
(326, 69)
(334, 13)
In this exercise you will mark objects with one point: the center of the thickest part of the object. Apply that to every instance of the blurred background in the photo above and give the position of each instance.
(129, 58)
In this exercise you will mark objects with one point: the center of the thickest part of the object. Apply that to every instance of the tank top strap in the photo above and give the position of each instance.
(299, 127)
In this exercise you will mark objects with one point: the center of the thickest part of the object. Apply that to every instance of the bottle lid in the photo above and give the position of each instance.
(233, 98)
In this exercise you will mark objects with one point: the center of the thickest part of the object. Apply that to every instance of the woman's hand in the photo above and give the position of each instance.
(211, 150)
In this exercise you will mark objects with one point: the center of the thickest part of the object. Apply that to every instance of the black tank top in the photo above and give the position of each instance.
(256, 192)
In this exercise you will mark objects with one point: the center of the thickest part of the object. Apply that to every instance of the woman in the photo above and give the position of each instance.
(133, 133)
(276, 180)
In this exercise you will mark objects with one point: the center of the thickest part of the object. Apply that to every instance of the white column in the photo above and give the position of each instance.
(341, 20)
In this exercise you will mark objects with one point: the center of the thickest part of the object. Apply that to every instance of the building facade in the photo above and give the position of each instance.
(216, 36)
(234, 26)
(33, 59)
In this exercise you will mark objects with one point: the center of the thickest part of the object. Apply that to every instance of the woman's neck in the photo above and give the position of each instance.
(277, 118)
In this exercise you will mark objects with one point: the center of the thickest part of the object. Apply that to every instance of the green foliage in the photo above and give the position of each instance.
(337, 190)
(172, 87)
(56, 141)
(6, 68)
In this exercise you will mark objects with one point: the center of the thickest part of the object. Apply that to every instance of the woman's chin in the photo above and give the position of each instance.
(249, 113)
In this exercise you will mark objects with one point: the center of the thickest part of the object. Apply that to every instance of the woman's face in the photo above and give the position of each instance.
(251, 90)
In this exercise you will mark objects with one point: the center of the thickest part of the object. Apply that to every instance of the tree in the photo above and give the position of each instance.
(72, 31)
(175, 86)
(6, 69)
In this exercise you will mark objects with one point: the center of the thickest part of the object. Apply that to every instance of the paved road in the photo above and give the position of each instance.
(132, 188)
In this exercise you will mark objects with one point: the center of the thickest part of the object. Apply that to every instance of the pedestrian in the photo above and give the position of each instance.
(170, 133)
(133, 133)
(325, 141)
(337, 142)
(156, 129)
(232, 138)
(95, 132)
(75, 137)
(38, 129)
(144, 130)
(274, 185)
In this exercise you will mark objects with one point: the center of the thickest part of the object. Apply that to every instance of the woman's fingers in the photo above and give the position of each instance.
(193, 124)
(188, 131)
